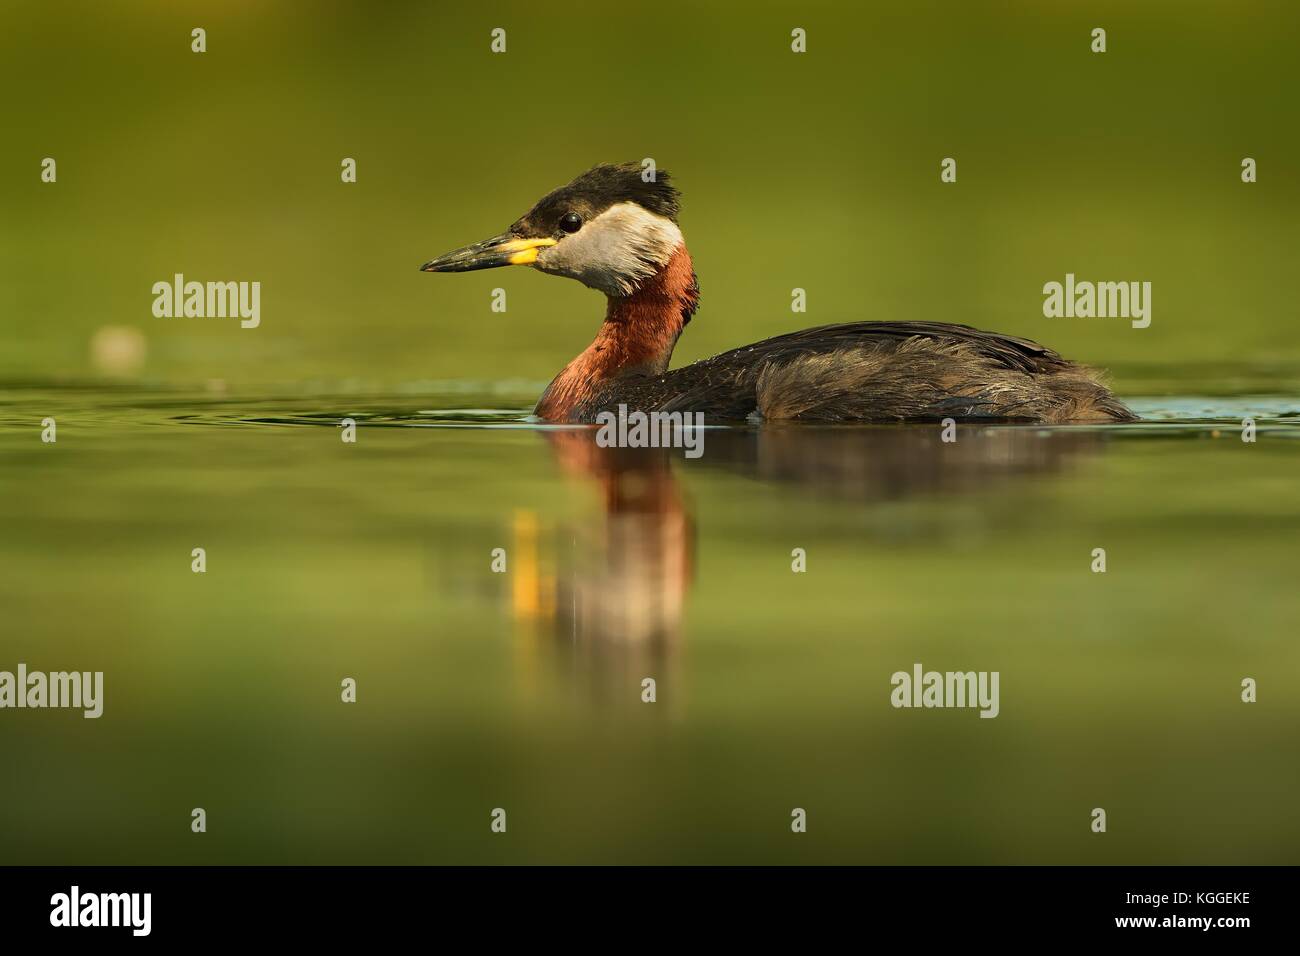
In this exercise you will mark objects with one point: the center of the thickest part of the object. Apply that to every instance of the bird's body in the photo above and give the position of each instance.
(617, 233)
(868, 372)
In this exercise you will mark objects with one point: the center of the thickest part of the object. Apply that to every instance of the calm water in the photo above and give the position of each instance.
(522, 690)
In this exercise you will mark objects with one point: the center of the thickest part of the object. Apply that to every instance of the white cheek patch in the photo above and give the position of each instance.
(615, 252)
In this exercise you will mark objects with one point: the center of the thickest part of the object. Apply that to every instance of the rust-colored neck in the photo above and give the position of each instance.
(636, 338)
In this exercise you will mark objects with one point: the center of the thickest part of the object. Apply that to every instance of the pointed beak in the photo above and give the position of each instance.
(502, 250)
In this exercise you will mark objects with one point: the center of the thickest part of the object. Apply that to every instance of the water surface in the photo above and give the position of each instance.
(522, 690)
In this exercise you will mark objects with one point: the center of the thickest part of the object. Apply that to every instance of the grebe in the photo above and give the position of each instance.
(617, 233)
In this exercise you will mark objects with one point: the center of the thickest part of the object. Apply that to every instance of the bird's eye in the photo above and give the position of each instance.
(570, 222)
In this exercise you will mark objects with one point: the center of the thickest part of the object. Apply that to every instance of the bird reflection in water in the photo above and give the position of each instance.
(612, 611)
(610, 606)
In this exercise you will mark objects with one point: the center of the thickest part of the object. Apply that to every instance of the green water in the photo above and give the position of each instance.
(522, 690)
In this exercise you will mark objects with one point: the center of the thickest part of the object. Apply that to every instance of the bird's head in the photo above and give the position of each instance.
(611, 229)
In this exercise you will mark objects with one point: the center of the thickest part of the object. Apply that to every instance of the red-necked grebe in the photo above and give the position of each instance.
(617, 233)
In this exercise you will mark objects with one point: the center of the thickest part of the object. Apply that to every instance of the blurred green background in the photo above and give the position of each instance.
(522, 690)
(818, 170)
